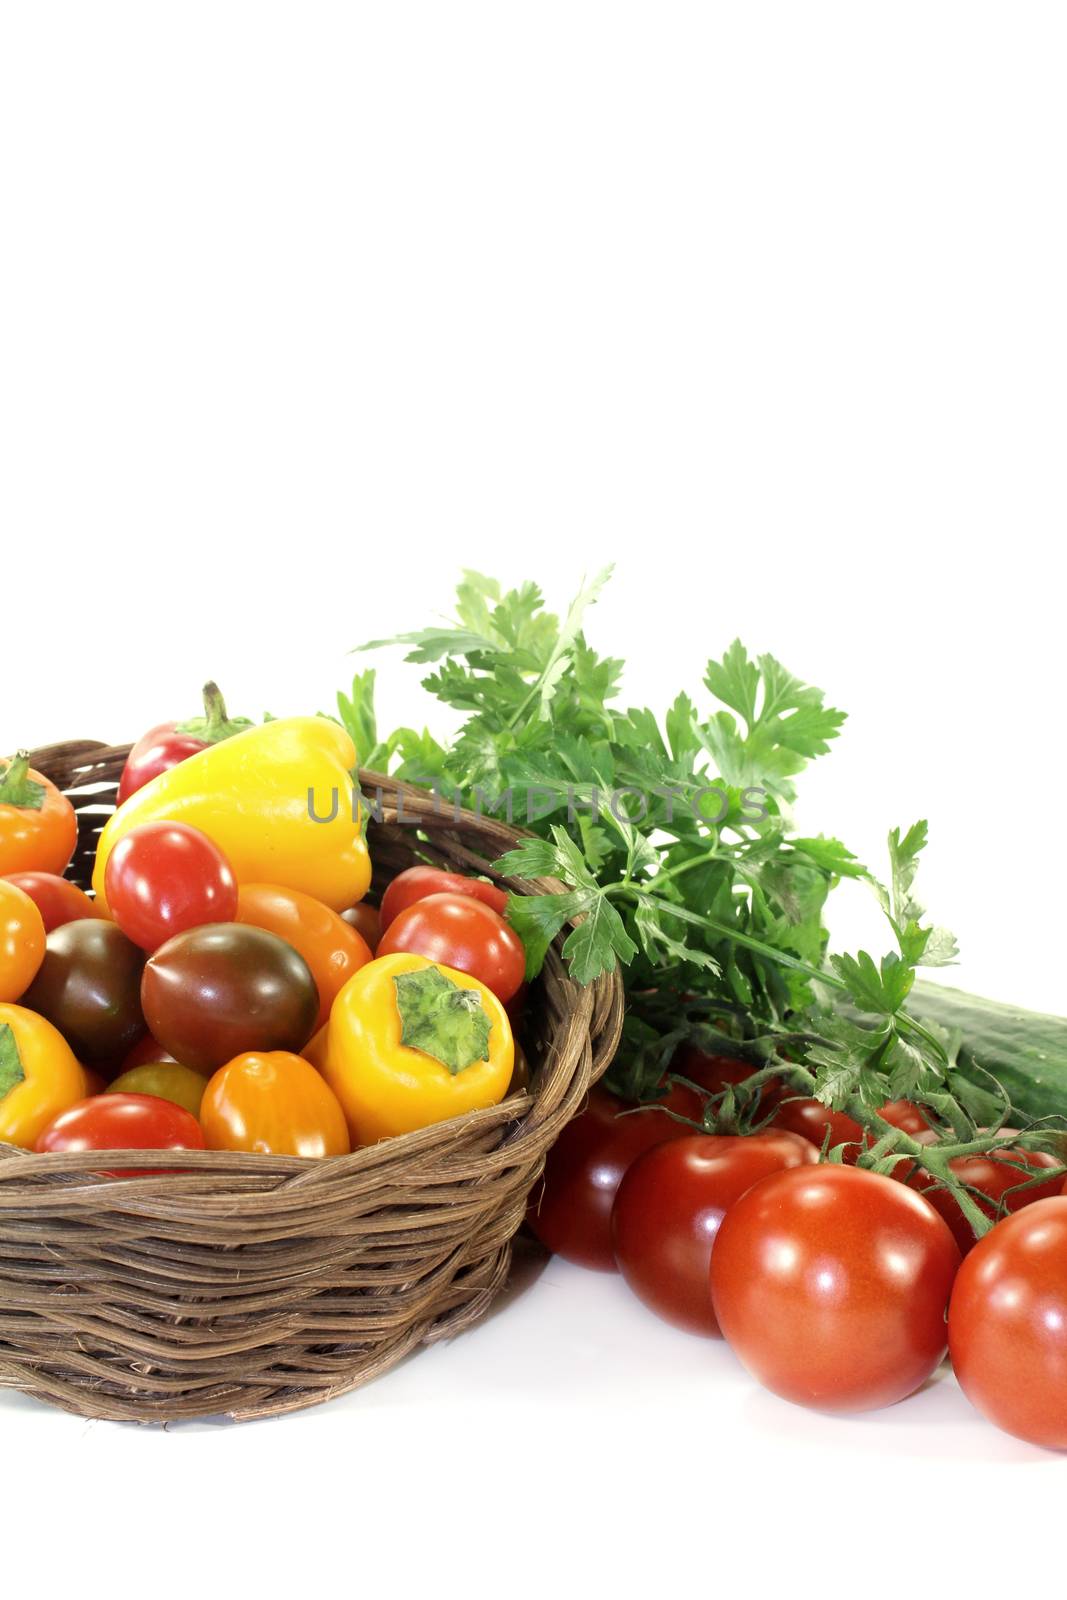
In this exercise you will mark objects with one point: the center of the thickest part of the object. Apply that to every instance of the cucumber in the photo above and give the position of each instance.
(1024, 1050)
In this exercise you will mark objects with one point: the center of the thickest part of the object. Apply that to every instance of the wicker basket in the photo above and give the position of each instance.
(254, 1285)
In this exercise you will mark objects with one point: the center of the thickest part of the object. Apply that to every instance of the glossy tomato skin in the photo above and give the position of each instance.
(122, 1122)
(165, 877)
(156, 751)
(830, 1283)
(332, 947)
(215, 992)
(57, 899)
(146, 1051)
(810, 1118)
(22, 941)
(1007, 1324)
(669, 1208)
(996, 1181)
(89, 987)
(273, 1103)
(906, 1115)
(418, 882)
(463, 933)
(714, 1073)
(570, 1210)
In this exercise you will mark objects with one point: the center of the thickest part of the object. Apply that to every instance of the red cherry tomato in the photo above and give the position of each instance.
(570, 1211)
(57, 899)
(462, 933)
(122, 1122)
(1007, 1324)
(831, 1283)
(906, 1115)
(997, 1183)
(166, 877)
(418, 882)
(670, 1205)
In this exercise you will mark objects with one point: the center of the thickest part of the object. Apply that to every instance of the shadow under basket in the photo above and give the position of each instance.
(253, 1285)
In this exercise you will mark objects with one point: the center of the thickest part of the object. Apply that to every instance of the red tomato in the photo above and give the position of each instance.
(570, 1211)
(418, 882)
(906, 1115)
(166, 877)
(57, 899)
(715, 1072)
(669, 1207)
(1007, 1324)
(997, 1181)
(122, 1122)
(462, 933)
(810, 1118)
(831, 1286)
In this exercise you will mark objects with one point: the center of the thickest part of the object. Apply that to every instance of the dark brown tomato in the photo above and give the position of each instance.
(89, 987)
(218, 991)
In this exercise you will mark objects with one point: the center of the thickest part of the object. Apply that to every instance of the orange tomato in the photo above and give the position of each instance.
(38, 827)
(331, 947)
(275, 1104)
(22, 938)
(39, 1076)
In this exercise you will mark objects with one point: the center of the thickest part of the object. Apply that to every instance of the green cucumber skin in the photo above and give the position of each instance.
(1025, 1050)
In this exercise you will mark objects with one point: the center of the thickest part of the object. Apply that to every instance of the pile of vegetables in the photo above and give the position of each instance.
(228, 987)
(838, 1167)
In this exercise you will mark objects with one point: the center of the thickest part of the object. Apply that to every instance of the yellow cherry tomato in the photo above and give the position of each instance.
(22, 939)
(402, 1055)
(39, 1075)
(166, 1080)
(275, 1104)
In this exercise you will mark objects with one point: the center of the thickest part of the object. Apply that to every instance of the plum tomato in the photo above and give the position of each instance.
(22, 941)
(89, 987)
(212, 993)
(831, 1282)
(57, 899)
(570, 1210)
(670, 1205)
(1007, 1324)
(462, 933)
(417, 882)
(276, 1104)
(332, 948)
(122, 1122)
(166, 877)
(995, 1187)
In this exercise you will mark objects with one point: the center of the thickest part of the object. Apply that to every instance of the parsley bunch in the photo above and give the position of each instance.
(673, 836)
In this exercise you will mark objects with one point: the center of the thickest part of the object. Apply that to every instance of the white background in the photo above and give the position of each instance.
(304, 307)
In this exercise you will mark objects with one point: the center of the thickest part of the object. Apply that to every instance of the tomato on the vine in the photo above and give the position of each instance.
(995, 1185)
(462, 933)
(811, 1119)
(163, 878)
(670, 1205)
(570, 1210)
(831, 1283)
(1007, 1324)
(415, 883)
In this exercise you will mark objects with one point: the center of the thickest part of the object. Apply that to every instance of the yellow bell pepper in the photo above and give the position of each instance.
(278, 802)
(411, 1042)
(39, 1076)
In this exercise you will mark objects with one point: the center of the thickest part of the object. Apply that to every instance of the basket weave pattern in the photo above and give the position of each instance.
(254, 1285)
